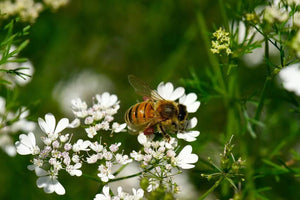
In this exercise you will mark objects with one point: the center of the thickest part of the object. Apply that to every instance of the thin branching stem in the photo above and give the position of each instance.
(217, 183)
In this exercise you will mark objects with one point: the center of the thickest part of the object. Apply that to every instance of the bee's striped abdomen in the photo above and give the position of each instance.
(140, 113)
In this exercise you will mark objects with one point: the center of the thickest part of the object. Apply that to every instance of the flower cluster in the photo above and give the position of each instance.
(109, 157)
(159, 158)
(58, 153)
(11, 123)
(99, 115)
(27, 10)
(137, 194)
(220, 42)
(167, 91)
(54, 156)
(285, 16)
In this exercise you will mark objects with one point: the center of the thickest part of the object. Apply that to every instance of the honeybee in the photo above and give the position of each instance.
(154, 114)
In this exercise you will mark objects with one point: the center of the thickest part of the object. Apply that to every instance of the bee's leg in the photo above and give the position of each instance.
(162, 130)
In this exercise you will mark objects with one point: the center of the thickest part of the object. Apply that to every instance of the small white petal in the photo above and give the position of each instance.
(43, 181)
(58, 188)
(190, 98)
(191, 108)
(165, 90)
(40, 171)
(105, 190)
(188, 136)
(43, 126)
(75, 123)
(192, 123)
(62, 124)
(50, 121)
(142, 138)
(178, 92)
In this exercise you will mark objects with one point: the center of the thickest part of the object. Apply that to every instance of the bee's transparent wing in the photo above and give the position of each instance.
(143, 88)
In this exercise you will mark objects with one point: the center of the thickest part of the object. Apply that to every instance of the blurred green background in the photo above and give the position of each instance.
(154, 40)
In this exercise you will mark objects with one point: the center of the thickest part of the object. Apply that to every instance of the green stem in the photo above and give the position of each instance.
(120, 169)
(130, 176)
(266, 84)
(217, 183)
(262, 98)
(92, 178)
(267, 57)
(126, 177)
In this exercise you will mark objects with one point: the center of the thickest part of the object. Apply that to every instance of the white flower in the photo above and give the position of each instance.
(92, 159)
(189, 136)
(75, 158)
(116, 127)
(79, 108)
(190, 102)
(81, 145)
(123, 159)
(167, 91)
(91, 131)
(105, 172)
(74, 169)
(185, 158)
(114, 147)
(49, 125)
(290, 77)
(137, 194)
(273, 14)
(105, 195)
(96, 147)
(106, 100)
(27, 145)
(48, 181)
(145, 140)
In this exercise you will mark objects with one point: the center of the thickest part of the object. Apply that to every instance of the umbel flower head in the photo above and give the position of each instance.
(100, 115)
(161, 159)
(59, 153)
(220, 42)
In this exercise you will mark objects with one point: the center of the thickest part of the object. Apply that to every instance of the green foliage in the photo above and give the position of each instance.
(9, 37)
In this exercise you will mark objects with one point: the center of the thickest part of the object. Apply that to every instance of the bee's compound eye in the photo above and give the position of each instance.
(182, 112)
